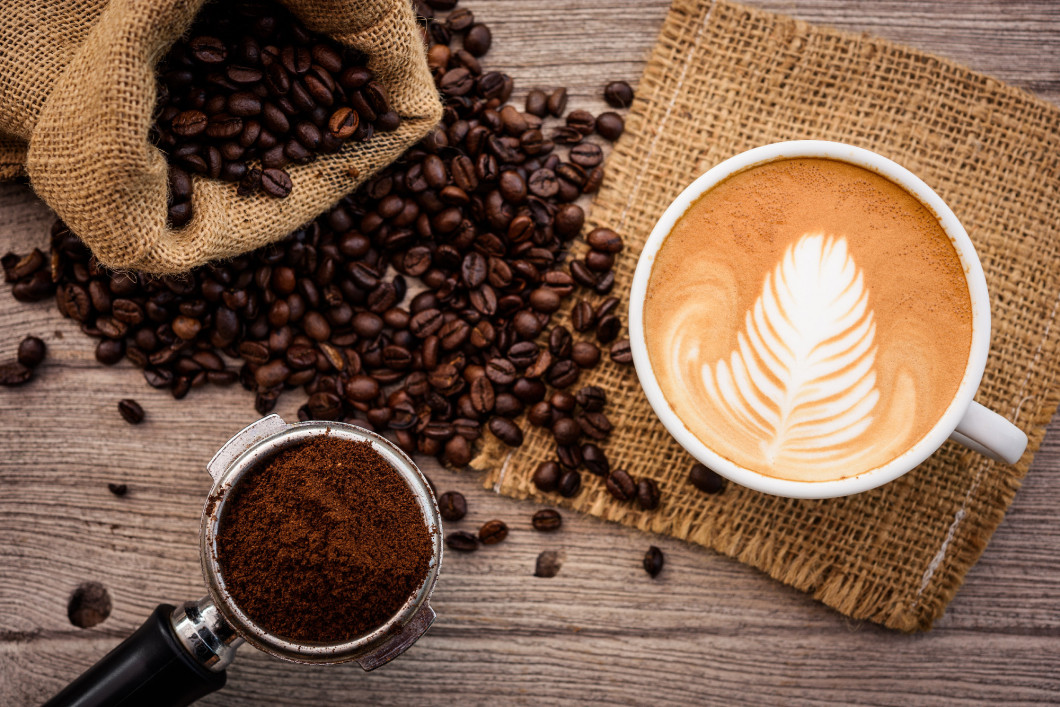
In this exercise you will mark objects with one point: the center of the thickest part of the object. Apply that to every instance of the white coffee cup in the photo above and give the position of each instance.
(964, 420)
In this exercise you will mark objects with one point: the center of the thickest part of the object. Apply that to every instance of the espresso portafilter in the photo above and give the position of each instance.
(180, 653)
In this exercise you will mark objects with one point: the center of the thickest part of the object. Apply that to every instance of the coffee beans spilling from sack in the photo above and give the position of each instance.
(422, 305)
(252, 90)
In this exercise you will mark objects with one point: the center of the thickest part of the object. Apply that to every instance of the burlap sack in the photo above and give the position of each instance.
(77, 91)
(724, 78)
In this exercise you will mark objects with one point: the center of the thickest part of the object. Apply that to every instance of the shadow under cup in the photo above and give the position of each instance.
(959, 408)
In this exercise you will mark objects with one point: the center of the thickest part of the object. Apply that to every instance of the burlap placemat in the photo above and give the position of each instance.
(724, 78)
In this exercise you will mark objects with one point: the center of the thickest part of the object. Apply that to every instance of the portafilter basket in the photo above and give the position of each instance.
(180, 653)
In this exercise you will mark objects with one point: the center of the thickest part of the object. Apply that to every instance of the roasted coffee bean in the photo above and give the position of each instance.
(501, 371)
(276, 183)
(557, 102)
(452, 505)
(570, 456)
(131, 411)
(618, 94)
(548, 564)
(492, 532)
(570, 482)
(461, 541)
(118, 489)
(566, 431)
(585, 354)
(564, 373)
(610, 125)
(109, 352)
(506, 431)
(537, 103)
(547, 520)
(546, 477)
(482, 395)
(583, 275)
(620, 485)
(560, 342)
(647, 494)
(31, 351)
(586, 154)
(478, 39)
(604, 240)
(598, 261)
(582, 121)
(705, 479)
(523, 354)
(653, 561)
(592, 399)
(621, 352)
(540, 414)
(14, 373)
(594, 424)
(582, 317)
(607, 329)
(594, 459)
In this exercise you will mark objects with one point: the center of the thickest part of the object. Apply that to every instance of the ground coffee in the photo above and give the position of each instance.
(323, 542)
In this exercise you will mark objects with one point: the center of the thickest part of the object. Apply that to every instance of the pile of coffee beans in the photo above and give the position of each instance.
(251, 90)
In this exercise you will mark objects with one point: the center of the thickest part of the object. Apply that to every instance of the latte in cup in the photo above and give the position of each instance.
(808, 319)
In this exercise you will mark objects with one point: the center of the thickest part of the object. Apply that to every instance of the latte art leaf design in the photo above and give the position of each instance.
(802, 379)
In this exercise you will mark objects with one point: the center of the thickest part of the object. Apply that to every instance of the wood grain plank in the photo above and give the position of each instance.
(708, 630)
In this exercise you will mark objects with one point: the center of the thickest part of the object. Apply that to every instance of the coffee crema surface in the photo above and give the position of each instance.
(808, 319)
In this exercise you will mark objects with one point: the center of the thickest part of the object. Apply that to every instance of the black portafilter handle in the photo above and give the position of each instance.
(152, 667)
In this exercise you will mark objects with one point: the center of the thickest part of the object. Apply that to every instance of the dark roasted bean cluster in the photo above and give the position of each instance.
(251, 91)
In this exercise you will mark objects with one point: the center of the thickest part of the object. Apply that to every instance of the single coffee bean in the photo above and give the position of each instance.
(618, 94)
(560, 342)
(586, 154)
(706, 480)
(506, 431)
(585, 354)
(461, 541)
(621, 352)
(557, 102)
(31, 351)
(537, 103)
(478, 39)
(620, 485)
(604, 240)
(610, 125)
(14, 373)
(653, 561)
(566, 431)
(492, 532)
(569, 457)
(110, 351)
(547, 520)
(595, 460)
(276, 183)
(607, 329)
(564, 373)
(582, 317)
(452, 505)
(581, 120)
(546, 477)
(131, 411)
(548, 564)
(569, 483)
(647, 494)
(594, 424)
(118, 489)
(540, 414)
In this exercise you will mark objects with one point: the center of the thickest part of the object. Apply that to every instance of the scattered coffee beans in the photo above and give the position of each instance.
(706, 480)
(323, 542)
(492, 532)
(547, 520)
(31, 352)
(618, 94)
(653, 561)
(461, 541)
(548, 564)
(131, 411)
(452, 505)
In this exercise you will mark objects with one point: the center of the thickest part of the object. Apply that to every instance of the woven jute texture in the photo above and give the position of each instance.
(724, 78)
(77, 92)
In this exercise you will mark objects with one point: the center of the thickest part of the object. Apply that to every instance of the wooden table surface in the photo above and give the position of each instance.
(707, 630)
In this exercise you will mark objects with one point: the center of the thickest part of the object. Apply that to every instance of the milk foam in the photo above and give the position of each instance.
(803, 378)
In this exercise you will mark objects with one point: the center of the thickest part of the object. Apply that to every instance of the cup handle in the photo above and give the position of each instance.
(986, 432)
